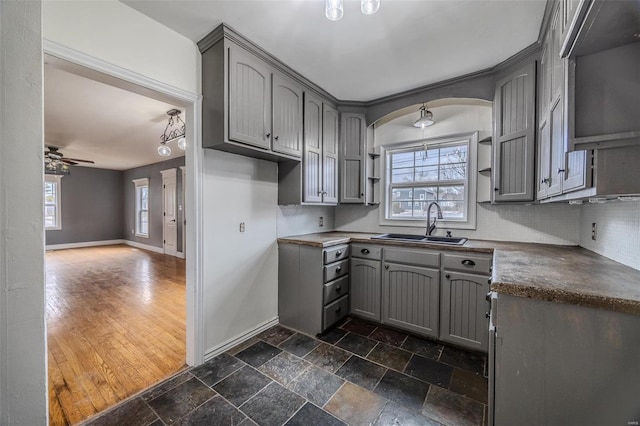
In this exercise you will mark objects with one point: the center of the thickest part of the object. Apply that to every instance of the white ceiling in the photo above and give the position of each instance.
(406, 44)
(116, 128)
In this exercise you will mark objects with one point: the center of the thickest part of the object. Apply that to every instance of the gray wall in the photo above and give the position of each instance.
(91, 205)
(152, 171)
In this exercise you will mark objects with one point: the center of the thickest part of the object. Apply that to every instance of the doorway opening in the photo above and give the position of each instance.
(116, 273)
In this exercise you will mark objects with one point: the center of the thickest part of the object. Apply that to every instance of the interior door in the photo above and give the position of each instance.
(170, 217)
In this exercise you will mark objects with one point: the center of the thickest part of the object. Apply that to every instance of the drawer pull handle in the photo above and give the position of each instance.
(489, 281)
(339, 268)
(338, 253)
(468, 262)
(338, 288)
(338, 309)
(447, 276)
(365, 251)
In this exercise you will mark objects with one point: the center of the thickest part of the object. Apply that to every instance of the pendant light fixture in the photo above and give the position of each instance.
(369, 7)
(426, 118)
(334, 9)
(175, 130)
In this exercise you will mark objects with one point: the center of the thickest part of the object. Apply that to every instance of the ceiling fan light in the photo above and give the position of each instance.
(182, 143)
(426, 118)
(164, 150)
(334, 10)
(369, 7)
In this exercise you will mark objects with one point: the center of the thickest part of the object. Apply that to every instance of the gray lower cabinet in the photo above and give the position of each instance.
(365, 288)
(410, 298)
(313, 286)
(463, 310)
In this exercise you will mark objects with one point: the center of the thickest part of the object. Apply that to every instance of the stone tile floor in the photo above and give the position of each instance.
(356, 374)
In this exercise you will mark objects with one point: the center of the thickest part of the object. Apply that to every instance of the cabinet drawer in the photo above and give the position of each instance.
(474, 263)
(335, 311)
(333, 254)
(336, 270)
(412, 257)
(335, 289)
(365, 251)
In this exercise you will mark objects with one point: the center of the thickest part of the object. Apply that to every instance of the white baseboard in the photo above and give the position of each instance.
(180, 254)
(144, 246)
(83, 244)
(234, 341)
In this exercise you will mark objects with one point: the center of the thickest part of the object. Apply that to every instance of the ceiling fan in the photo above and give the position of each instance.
(53, 154)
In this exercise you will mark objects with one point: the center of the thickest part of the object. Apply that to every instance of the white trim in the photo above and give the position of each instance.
(193, 156)
(240, 338)
(144, 246)
(57, 179)
(141, 182)
(88, 61)
(472, 171)
(180, 255)
(84, 244)
(169, 174)
(184, 209)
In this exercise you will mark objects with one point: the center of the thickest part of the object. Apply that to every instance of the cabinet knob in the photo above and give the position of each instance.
(496, 189)
(339, 268)
(338, 309)
(268, 135)
(486, 315)
(276, 137)
(545, 180)
(338, 288)
(364, 251)
(362, 194)
(489, 281)
(338, 253)
(468, 262)
(560, 170)
(447, 276)
(386, 266)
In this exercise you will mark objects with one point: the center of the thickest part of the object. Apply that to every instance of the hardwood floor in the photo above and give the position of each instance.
(116, 321)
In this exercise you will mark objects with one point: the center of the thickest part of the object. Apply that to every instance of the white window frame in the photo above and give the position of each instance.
(471, 182)
(139, 184)
(57, 179)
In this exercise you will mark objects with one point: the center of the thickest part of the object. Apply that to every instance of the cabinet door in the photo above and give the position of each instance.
(577, 171)
(287, 116)
(365, 288)
(330, 154)
(410, 297)
(463, 319)
(312, 149)
(514, 147)
(352, 144)
(544, 160)
(557, 134)
(249, 99)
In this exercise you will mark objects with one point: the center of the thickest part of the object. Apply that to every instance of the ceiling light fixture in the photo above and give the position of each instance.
(334, 9)
(426, 118)
(369, 7)
(175, 130)
(56, 167)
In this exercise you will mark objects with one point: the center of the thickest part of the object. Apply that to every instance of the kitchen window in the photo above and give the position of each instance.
(142, 207)
(441, 170)
(52, 211)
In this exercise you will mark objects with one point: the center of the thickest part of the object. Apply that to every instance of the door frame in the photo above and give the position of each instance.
(169, 174)
(105, 72)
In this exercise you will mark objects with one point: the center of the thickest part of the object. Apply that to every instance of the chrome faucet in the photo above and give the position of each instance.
(432, 226)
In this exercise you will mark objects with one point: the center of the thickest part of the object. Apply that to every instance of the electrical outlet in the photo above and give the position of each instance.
(321, 221)
(241, 226)
(594, 229)
(133, 231)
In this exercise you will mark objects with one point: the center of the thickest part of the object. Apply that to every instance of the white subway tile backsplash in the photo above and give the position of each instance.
(618, 235)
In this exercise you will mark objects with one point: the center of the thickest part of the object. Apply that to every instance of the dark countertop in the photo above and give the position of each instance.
(565, 274)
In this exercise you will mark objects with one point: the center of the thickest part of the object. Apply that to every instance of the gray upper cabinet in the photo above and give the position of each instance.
(329, 154)
(249, 99)
(411, 298)
(352, 161)
(312, 158)
(287, 116)
(514, 132)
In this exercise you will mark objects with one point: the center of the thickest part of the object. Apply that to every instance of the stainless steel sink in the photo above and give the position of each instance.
(450, 241)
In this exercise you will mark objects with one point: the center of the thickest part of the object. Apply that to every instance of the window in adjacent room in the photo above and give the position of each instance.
(52, 211)
(441, 170)
(142, 207)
